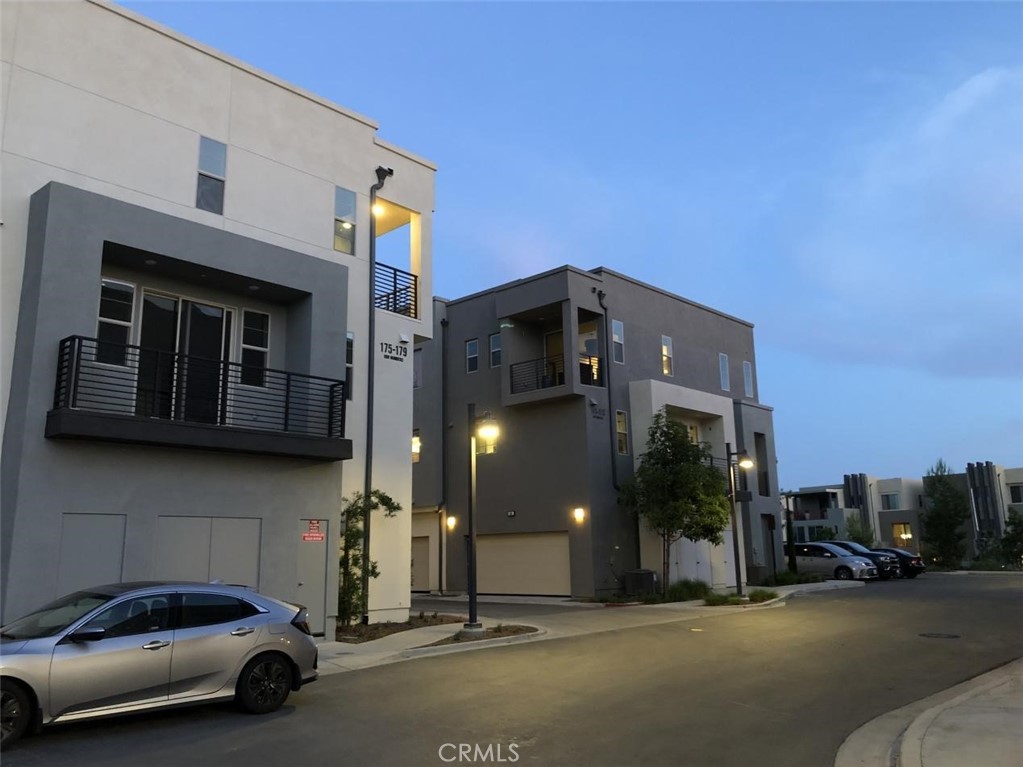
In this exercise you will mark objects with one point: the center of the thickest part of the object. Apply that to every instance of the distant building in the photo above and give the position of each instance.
(573, 365)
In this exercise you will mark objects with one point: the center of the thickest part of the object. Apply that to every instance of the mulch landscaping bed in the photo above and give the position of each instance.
(492, 633)
(358, 633)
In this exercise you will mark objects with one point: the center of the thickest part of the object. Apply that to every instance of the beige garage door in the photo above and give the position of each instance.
(421, 563)
(530, 563)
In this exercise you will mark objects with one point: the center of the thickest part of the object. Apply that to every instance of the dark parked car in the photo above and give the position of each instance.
(887, 564)
(131, 647)
(912, 564)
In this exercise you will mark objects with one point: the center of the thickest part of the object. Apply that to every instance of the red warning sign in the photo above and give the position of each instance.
(313, 532)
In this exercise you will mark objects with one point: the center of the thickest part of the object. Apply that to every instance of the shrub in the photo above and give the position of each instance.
(687, 590)
(786, 578)
(762, 595)
(717, 600)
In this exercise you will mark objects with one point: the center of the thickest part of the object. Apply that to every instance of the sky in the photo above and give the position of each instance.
(846, 176)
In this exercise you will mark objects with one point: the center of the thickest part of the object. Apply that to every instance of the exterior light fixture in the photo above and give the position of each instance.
(579, 514)
(346, 224)
(745, 462)
(378, 210)
(487, 430)
(452, 521)
(417, 444)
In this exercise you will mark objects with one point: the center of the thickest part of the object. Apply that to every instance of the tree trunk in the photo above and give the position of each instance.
(666, 546)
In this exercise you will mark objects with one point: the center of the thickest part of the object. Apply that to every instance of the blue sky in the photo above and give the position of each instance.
(846, 176)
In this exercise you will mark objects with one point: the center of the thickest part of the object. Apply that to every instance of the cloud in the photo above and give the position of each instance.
(916, 257)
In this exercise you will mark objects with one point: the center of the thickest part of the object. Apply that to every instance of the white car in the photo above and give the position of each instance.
(130, 647)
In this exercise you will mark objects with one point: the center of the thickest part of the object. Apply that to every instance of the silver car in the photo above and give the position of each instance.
(130, 647)
(833, 562)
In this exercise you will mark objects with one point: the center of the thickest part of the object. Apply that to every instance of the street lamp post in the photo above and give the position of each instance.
(486, 429)
(743, 462)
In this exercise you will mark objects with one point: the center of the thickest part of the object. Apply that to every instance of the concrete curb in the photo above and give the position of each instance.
(479, 644)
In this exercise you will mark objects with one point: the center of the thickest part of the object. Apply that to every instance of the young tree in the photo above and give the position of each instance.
(353, 517)
(859, 531)
(1012, 541)
(943, 520)
(676, 490)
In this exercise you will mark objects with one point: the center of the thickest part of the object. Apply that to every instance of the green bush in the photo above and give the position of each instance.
(717, 600)
(687, 590)
(762, 595)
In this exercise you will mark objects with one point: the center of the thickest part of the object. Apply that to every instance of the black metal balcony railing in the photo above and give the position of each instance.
(591, 372)
(543, 373)
(396, 291)
(121, 379)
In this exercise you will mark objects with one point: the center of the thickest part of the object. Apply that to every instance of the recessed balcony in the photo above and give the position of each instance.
(396, 291)
(130, 394)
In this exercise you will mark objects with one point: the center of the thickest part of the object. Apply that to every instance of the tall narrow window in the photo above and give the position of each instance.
(618, 341)
(255, 347)
(763, 473)
(723, 364)
(667, 364)
(622, 428)
(116, 312)
(349, 364)
(417, 368)
(495, 350)
(747, 377)
(344, 221)
(209, 193)
(472, 355)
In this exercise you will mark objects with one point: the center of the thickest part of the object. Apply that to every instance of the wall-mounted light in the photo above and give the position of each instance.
(378, 210)
(579, 514)
(487, 433)
(451, 523)
(417, 444)
(346, 224)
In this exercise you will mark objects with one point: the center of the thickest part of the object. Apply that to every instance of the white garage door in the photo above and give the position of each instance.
(528, 563)
(208, 548)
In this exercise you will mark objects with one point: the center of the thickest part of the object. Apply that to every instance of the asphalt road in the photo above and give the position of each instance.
(775, 687)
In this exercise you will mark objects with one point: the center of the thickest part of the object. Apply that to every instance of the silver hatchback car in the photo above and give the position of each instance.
(833, 562)
(131, 647)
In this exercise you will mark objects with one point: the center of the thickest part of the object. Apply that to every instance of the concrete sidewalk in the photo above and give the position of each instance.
(337, 657)
(978, 723)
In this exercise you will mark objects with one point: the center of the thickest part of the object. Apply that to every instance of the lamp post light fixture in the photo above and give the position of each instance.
(486, 430)
(743, 462)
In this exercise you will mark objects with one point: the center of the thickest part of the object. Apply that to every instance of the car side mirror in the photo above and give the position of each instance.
(89, 634)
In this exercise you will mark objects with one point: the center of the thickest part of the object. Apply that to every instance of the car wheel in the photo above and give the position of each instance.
(264, 684)
(15, 712)
(843, 574)
(912, 575)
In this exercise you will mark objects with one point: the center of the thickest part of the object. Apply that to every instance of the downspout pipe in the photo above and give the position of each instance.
(382, 175)
(610, 392)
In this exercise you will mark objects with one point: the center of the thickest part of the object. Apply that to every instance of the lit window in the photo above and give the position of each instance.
(209, 193)
(622, 428)
(889, 501)
(723, 364)
(349, 364)
(255, 347)
(344, 221)
(747, 377)
(495, 350)
(902, 534)
(116, 312)
(618, 341)
(417, 368)
(472, 355)
(667, 365)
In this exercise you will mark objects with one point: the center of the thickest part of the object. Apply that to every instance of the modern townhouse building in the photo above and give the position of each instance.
(187, 305)
(894, 507)
(573, 365)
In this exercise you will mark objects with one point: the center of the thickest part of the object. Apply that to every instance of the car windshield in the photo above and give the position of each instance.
(859, 548)
(55, 617)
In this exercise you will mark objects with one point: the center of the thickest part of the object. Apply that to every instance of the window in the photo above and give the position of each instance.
(350, 364)
(747, 377)
(116, 311)
(344, 221)
(723, 365)
(622, 427)
(209, 193)
(618, 341)
(889, 501)
(210, 609)
(133, 616)
(693, 431)
(417, 446)
(255, 347)
(472, 355)
(902, 534)
(667, 366)
(763, 475)
(495, 350)
(1015, 493)
(417, 368)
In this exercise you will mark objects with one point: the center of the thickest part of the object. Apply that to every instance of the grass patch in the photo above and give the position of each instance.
(358, 633)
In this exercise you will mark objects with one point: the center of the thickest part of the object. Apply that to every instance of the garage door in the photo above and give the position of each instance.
(208, 548)
(530, 563)
(421, 563)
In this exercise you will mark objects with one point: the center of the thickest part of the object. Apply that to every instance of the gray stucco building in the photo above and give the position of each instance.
(573, 365)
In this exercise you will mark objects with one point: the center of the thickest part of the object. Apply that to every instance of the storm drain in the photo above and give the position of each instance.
(934, 635)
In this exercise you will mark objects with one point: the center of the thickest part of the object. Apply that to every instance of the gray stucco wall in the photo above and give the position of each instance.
(45, 479)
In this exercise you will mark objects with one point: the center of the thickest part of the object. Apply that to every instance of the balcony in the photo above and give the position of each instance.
(395, 290)
(129, 394)
(532, 375)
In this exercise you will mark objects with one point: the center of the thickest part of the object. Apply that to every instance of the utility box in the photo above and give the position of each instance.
(640, 582)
